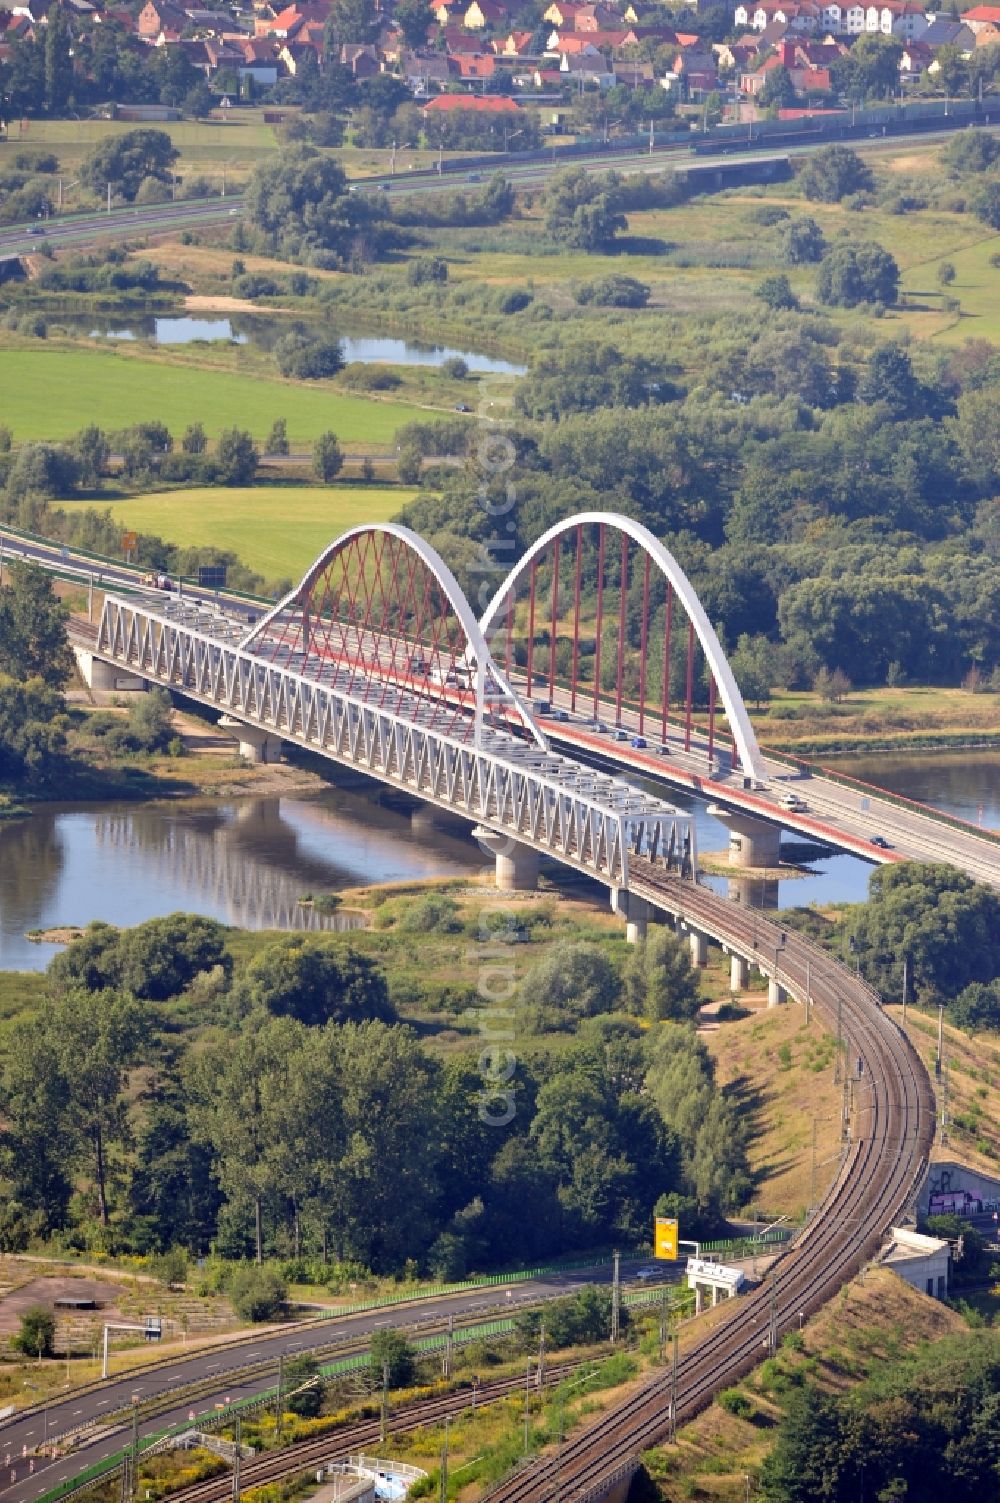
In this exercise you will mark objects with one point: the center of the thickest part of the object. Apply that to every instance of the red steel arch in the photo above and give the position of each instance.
(557, 570)
(382, 615)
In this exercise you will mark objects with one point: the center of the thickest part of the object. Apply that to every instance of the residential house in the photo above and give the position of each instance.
(156, 18)
(899, 18)
(517, 44)
(423, 74)
(981, 16)
(474, 67)
(629, 75)
(945, 32)
(360, 59)
(485, 14)
(915, 59)
(585, 68)
(479, 104)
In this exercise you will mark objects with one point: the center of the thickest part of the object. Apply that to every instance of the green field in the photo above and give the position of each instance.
(275, 530)
(52, 393)
(975, 287)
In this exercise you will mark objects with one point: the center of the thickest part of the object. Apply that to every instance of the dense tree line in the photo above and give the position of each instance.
(309, 1120)
(34, 662)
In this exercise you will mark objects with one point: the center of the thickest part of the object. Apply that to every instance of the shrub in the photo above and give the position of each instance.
(614, 292)
(455, 367)
(307, 359)
(776, 292)
(257, 1294)
(371, 377)
(254, 284)
(514, 302)
(735, 1401)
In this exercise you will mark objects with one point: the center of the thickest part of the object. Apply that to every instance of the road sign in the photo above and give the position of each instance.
(129, 541)
(212, 576)
(665, 1237)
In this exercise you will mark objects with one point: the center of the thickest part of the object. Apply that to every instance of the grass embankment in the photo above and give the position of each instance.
(781, 1074)
(275, 530)
(972, 1068)
(872, 1321)
(53, 393)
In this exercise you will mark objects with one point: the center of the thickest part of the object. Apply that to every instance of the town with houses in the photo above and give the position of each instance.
(463, 59)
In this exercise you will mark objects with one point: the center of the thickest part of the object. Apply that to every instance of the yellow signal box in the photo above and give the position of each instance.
(665, 1238)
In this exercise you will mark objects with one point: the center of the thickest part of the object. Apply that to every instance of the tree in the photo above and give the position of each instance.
(753, 666)
(33, 641)
(305, 1387)
(328, 457)
(277, 439)
(391, 1353)
(153, 961)
(582, 210)
(32, 728)
(125, 160)
(661, 982)
(890, 379)
(58, 64)
(236, 457)
(943, 923)
(776, 292)
(93, 1039)
(859, 273)
(970, 151)
(315, 982)
(308, 358)
(832, 686)
(37, 1332)
(573, 981)
(803, 242)
(833, 172)
(778, 91)
(986, 204)
(350, 21)
(411, 17)
(870, 69)
(194, 440)
(42, 470)
(198, 102)
(300, 207)
(93, 451)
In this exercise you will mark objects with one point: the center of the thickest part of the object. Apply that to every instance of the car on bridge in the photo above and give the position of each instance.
(639, 742)
(881, 842)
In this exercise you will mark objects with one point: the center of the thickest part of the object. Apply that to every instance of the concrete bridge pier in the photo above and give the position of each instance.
(752, 842)
(776, 994)
(739, 973)
(699, 948)
(516, 864)
(255, 745)
(635, 912)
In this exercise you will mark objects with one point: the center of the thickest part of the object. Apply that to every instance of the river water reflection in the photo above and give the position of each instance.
(246, 862)
(249, 861)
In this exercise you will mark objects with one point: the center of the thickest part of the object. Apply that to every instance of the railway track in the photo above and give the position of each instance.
(893, 1129)
(348, 1440)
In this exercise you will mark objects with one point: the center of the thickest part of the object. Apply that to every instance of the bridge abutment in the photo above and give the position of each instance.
(255, 745)
(516, 864)
(752, 842)
(99, 675)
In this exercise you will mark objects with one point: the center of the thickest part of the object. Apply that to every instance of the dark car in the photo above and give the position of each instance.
(881, 842)
(462, 407)
(639, 742)
(36, 229)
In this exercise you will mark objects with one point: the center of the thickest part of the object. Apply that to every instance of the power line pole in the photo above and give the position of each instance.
(772, 1329)
(448, 1343)
(672, 1436)
(541, 1355)
(383, 1428)
(527, 1405)
(277, 1402)
(663, 1321)
(906, 984)
(840, 1038)
(444, 1461)
(616, 1294)
(236, 1460)
(812, 1175)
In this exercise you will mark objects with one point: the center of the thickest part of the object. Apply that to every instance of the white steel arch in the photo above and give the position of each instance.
(736, 711)
(477, 652)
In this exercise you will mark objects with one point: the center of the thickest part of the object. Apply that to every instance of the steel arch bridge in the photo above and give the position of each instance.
(600, 623)
(375, 660)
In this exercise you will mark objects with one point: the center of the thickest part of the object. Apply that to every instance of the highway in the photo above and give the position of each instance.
(85, 229)
(26, 1474)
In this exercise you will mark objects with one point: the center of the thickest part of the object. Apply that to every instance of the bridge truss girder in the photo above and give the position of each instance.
(586, 819)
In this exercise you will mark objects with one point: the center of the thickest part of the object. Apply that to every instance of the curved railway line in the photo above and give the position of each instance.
(892, 1134)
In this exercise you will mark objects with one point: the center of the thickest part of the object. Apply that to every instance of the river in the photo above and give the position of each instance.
(249, 861)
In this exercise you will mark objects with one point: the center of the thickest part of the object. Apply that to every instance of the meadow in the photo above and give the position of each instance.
(51, 393)
(275, 530)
